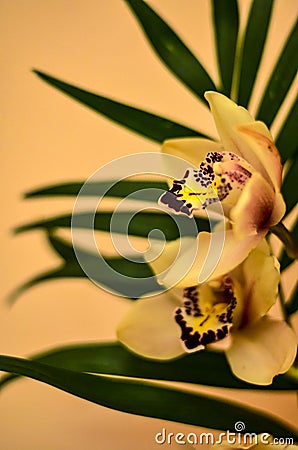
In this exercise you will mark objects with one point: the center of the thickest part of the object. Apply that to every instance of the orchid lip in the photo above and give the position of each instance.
(219, 174)
(208, 319)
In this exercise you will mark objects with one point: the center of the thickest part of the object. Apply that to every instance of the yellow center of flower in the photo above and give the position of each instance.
(207, 314)
(219, 175)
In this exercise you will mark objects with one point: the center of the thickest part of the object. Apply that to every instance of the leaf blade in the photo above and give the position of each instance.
(148, 400)
(121, 276)
(292, 305)
(285, 259)
(139, 224)
(120, 189)
(282, 76)
(171, 50)
(146, 124)
(289, 184)
(286, 141)
(253, 45)
(206, 368)
(225, 16)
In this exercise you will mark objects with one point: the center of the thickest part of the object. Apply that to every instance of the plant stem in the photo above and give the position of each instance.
(293, 373)
(286, 238)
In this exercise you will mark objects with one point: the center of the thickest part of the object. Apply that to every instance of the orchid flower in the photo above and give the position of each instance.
(243, 172)
(234, 304)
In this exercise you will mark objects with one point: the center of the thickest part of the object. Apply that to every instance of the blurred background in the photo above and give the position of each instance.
(48, 138)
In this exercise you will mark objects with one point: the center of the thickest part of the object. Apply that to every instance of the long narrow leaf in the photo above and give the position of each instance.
(208, 368)
(141, 190)
(62, 248)
(289, 186)
(149, 125)
(286, 141)
(292, 305)
(226, 23)
(285, 260)
(127, 278)
(143, 398)
(253, 45)
(171, 50)
(141, 224)
(63, 271)
(127, 288)
(282, 76)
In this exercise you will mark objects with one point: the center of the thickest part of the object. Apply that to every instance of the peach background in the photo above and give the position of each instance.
(47, 138)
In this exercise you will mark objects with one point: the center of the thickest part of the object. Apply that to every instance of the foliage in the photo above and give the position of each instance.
(239, 58)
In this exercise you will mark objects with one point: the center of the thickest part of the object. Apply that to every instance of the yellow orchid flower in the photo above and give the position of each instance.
(243, 171)
(243, 175)
(235, 303)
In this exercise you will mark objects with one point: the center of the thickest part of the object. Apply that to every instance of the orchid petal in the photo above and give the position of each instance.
(241, 134)
(149, 328)
(279, 209)
(193, 150)
(260, 283)
(209, 256)
(234, 176)
(261, 351)
(253, 211)
(261, 143)
(163, 262)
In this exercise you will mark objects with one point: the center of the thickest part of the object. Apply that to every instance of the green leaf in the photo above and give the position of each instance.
(149, 125)
(292, 305)
(171, 50)
(226, 23)
(289, 185)
(138, 278)
(282, 76)
(64, 271)
(140, 224)
(252, 49)
(286, 141)
(141, 190)
(151, 400)
(285, 260)
(207, 368)
(62, 248)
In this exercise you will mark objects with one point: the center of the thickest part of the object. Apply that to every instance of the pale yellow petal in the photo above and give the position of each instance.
(253, 212)
(241, 134)
(149, 328)
(279, 210)
(193, 150)
(261, 351)
(180, 262)
(261, 143)
(209, 256)
(177, 256)
(260, 283)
